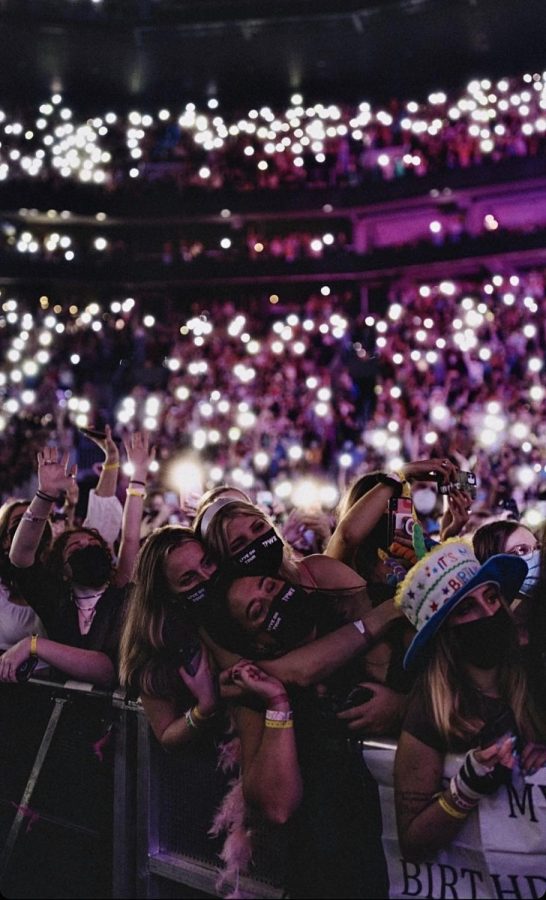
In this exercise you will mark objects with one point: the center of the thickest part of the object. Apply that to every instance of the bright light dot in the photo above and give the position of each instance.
(225, 243)
(100, 243)
(526, 476)
(520, 431)
(295, 452)
(261, 460)
(199, 439)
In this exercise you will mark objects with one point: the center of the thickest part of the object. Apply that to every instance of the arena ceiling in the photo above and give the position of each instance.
(149, 52)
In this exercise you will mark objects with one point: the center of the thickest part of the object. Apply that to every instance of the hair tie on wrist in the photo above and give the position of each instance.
(43, 496)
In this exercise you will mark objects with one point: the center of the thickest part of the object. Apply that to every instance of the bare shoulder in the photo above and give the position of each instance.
(328, 573)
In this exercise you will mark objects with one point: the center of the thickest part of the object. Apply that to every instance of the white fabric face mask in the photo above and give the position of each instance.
(424, 500)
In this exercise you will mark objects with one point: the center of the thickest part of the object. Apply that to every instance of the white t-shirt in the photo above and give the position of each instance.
(104, 514)
(16, 622)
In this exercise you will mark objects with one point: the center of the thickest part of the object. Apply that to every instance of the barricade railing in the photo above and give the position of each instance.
(92, 806)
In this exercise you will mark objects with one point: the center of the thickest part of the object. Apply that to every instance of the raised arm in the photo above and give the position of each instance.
(140, 456)
(357, 523)
(108, 478)
(54, 477)
(104, 511)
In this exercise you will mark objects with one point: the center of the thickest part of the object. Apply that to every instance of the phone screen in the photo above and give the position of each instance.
(401, 521)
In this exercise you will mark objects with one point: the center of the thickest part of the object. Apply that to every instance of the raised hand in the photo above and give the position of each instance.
(139, 453)
(202, 684)
(457, 514)
(106, 443)
(53, 473)
(441, 470)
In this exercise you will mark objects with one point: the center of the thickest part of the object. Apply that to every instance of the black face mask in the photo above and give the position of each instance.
(485, 642)
(291, 617)
(200, 598)
(262, 556)
(91, 566)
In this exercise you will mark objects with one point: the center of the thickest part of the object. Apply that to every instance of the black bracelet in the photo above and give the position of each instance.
(43, 496)
(132, 481)
(397, 486)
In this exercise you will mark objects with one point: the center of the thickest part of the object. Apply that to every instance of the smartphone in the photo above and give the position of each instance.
(190, 656)
(357, 697)
(467, 481)
(93, 433)
(401, 521)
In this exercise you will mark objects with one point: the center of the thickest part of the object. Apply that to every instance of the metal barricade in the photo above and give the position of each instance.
(92, 806)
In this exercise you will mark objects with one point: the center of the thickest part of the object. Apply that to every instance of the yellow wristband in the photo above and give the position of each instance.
(450, 810)
(132, 493)
(274, 723)
(107, 466)
(34, 645)
(197, 714)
